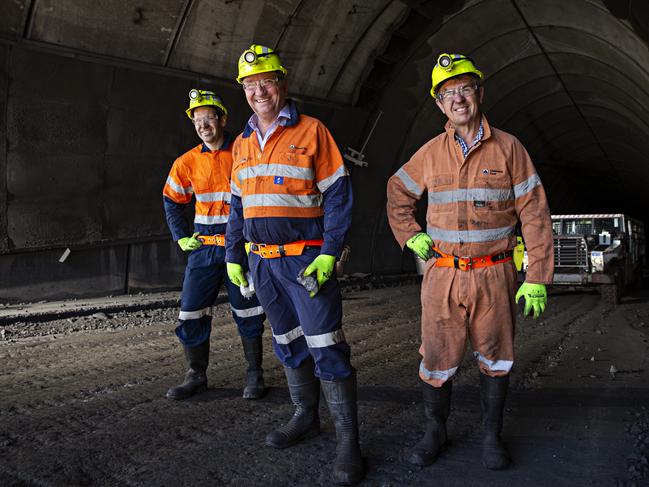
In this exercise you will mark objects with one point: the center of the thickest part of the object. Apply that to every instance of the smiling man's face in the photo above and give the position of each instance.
(460, 109)
(266, 101)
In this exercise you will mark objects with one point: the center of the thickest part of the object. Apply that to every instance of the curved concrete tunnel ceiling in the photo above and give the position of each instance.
(570, 78)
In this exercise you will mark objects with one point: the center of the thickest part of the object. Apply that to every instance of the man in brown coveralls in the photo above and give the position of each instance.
(481, 183)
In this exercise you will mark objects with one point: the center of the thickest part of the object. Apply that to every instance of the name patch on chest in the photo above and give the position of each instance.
(486, 172)
(279, 180)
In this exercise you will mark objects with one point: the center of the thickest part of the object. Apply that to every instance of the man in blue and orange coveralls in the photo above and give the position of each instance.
(204, 172)
(292, 199)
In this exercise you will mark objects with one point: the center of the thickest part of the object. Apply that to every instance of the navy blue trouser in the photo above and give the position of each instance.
(200, 288)
(302, 325)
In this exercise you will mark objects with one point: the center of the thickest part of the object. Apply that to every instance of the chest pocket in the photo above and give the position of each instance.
(440, 195)
(294, 173)
(491, 192)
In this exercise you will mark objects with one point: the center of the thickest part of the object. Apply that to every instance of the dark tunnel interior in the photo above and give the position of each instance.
(92, 100)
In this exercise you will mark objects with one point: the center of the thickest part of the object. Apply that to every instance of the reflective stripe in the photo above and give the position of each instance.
(294, 172)
(193, 315)
(327, 182)
(294, 201)
(445, 197)
(528, 185)
(408, 182)
(234, 189)
(325, 340)
(210, 220)
(287, 338)
(177, 188)
(469, 236)
(436, 374)
(209, 197)
(247, 313)
(495, 365)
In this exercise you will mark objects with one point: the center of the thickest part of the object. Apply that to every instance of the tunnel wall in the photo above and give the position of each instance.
(86, 144)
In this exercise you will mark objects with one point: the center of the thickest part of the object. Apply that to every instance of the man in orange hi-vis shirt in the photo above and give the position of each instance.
(292, 200)
(204, 172)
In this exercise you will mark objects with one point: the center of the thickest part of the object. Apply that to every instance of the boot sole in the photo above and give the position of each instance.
(181, 397)
(312, 433)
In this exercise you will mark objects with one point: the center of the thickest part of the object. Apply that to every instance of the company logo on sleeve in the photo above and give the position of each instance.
(279, 180)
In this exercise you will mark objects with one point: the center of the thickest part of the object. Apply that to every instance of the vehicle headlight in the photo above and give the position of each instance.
(597, 261)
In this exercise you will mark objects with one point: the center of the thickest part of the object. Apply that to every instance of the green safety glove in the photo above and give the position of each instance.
(422, 245)
(323, 266)
(190, 243)
(536, 297)
(236, 275)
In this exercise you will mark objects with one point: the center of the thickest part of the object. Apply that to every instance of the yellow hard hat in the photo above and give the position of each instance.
(452, 65)
(201, 98)
(259, 59)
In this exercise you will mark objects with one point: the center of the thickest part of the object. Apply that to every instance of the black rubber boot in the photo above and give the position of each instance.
(341, 398)
(304, 388)
(493, 391)
(253, 351)
(195, 379)
(437, 407)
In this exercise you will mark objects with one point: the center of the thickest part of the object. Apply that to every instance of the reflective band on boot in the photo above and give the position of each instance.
(341, 398)
(304, 387)
(195, 379)
(253, 351)
(437, 406)
(493, 391)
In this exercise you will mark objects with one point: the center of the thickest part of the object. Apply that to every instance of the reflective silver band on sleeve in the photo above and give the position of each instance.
(526, 186)
(326, 183)
(178, 188)
(408, 182)
(234, 189)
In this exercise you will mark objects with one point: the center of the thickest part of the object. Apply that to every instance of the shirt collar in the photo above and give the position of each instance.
(287, 117)
(227, 140)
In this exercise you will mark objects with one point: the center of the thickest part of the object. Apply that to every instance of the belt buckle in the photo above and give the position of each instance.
(465, 263)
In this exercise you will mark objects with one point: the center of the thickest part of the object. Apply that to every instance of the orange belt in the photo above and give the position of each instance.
(271, 251)
(468, 263)
(212, 240)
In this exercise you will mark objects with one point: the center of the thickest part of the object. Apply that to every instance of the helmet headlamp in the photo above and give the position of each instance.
(445, 61)
(194, 94)
(250, 56)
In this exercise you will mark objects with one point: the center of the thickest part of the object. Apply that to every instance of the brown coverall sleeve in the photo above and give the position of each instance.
(405, 187)
(534, 214)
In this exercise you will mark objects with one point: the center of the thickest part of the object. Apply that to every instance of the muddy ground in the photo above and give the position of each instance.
(82, 402)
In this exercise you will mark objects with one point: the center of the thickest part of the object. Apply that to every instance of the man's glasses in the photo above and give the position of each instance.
(262, 83)
(464, 91)
(206, 121)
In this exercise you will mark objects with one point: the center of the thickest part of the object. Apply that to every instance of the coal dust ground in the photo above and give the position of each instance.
(82, 401)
